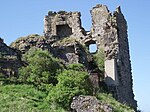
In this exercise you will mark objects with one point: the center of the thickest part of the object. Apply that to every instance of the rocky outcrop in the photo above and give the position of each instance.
(23, 44)
(89, 104)
(10, 60)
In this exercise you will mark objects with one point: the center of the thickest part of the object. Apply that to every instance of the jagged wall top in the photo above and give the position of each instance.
(63, 24)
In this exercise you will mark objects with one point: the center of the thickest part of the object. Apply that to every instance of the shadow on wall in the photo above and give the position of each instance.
(63, 30)
(109, 81)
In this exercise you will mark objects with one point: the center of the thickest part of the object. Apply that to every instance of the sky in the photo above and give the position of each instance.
(23, 17)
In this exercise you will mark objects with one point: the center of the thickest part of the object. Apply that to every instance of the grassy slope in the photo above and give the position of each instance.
(117, 107)
(24, 98)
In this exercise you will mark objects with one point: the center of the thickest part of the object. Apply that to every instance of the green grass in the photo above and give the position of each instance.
(24, 98)
(65, 41)
(117, 107)
(99, 59)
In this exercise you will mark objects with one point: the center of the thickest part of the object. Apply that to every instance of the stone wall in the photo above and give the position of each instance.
(123, 61)
(110, 32)
(63, 24)
(23, 44)
(99, 15)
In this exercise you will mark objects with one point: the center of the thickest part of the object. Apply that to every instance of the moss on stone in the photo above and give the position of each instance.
(16, 43)
(65, 41)
(99, 59)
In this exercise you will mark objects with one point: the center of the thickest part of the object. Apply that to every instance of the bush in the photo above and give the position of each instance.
(70, 83)
(41, 69)
(77, 67)
(2, 79)
(99, 59)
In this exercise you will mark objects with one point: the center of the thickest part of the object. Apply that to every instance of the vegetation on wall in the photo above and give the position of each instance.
(64, 41)
(99, 59)
(16, 43)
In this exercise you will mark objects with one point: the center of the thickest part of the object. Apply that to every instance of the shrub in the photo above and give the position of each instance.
(77, 67)
(41, 69)
(70, 83)
(99, 59)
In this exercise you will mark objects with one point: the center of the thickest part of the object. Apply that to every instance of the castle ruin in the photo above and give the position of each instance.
(65, 38)
(108, 32)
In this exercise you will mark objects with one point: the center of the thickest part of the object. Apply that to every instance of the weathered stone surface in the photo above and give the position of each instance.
(63, 24)
(89, 104)
(110, 32)
(123, 62)
(100, 14)
(25, 43)
(10, 60)
(70, 52)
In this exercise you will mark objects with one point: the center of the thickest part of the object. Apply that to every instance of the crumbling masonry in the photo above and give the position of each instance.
(108, 32)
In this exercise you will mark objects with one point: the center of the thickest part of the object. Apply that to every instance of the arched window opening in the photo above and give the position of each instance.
(93, 48)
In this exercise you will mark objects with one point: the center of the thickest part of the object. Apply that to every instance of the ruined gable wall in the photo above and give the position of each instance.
(109, 32)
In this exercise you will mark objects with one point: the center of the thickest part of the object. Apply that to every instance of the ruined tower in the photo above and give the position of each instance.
(108, 32)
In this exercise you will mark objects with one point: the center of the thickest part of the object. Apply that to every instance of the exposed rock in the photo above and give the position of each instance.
(89, 104)
(25, 43)
(10, 60)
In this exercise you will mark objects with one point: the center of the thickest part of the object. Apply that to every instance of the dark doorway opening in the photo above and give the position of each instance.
(63, 30)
